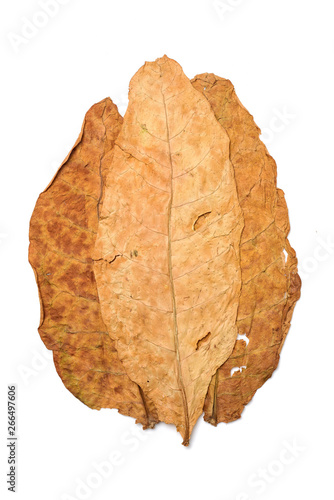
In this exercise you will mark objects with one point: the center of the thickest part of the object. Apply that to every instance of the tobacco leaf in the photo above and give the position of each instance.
(270, 283)
(62, 236)
(167, 250)
(187, 178)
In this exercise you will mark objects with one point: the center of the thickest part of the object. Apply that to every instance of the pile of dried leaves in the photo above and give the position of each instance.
(166, 280)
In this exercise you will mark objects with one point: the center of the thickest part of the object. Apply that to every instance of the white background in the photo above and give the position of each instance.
(279, 55)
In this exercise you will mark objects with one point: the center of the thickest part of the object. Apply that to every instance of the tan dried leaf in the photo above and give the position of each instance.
(270, 283)
(167, 251)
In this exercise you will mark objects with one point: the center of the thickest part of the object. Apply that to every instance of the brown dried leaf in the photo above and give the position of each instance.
(167, 250)
(62, 235)
(174, 282)
(270, 283)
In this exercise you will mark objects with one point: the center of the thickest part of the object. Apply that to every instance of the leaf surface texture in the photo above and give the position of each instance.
(166, 280)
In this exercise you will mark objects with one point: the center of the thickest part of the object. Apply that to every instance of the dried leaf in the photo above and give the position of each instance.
(62, 235)
(167, 250)
(191, 250)
(270, 283)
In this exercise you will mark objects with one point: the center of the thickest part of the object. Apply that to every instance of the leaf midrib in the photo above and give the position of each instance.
(170, 272)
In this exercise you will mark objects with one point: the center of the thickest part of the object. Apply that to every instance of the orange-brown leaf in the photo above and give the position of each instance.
(270, 283)
(178, 206)
(62, 237)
